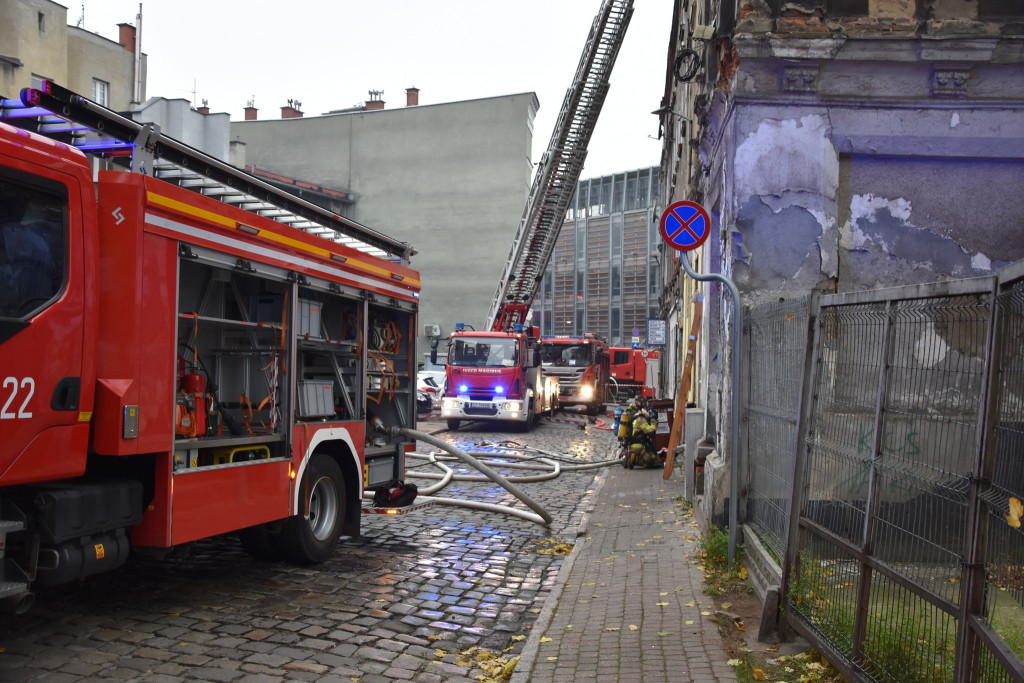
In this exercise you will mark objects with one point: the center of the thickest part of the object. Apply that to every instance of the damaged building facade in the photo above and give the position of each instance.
(838, 145)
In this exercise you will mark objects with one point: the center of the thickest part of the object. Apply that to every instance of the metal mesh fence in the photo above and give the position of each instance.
(777, 336)
(909, 462)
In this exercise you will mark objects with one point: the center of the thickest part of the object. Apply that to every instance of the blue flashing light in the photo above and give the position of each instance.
(459, 327)
(499, 389)
(463, 388)
(519, 327)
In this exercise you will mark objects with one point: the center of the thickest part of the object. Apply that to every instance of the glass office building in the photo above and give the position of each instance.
(603, 273)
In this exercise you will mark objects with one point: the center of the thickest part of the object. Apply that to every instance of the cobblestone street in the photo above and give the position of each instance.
(399, 603)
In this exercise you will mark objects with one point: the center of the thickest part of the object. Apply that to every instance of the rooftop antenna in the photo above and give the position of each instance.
(81, 19)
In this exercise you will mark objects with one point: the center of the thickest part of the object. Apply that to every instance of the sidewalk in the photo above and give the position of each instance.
(628, 603)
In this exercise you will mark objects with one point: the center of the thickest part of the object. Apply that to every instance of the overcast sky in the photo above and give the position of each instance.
(329, 53)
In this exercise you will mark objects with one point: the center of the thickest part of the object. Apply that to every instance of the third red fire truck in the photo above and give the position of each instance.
(580, 364)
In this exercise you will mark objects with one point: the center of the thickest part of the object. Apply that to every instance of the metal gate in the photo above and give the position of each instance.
(904, 554)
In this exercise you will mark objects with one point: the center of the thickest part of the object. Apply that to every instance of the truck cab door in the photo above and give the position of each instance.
(43, 417)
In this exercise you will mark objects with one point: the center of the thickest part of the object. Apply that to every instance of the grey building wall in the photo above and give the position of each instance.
(450, 179)
(176, 118)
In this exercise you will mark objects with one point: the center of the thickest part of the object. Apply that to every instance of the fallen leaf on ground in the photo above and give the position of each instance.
(634, 627)
(545, 639)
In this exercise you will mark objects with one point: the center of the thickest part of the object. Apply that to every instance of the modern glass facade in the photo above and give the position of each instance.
(603, 273)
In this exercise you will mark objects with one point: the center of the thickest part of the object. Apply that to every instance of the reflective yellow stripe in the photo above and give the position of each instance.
(189, 209)
(84, 416)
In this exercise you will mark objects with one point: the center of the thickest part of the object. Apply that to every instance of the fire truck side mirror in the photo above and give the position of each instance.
(433, 352)
(535, 357)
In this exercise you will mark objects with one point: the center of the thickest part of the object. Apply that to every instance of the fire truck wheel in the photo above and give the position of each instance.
(454, 424)
(312, 538)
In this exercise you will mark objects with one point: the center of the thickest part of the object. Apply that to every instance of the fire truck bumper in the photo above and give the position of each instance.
(459, 409)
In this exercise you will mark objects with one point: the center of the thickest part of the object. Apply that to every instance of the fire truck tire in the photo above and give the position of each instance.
(454, 424)
(312, 538)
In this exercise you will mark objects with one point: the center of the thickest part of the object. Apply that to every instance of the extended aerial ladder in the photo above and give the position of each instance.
(63, 115)
(559, 170)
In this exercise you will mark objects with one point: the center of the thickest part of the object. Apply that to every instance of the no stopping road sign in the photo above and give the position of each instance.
(685, 225)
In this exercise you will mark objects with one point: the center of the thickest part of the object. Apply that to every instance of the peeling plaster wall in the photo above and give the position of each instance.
(918, 220)
(786, 181)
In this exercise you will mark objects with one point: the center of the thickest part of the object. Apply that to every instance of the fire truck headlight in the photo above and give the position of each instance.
(449, 404)
(513, 405)
(586, 392)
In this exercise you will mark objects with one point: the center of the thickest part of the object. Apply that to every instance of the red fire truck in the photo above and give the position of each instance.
(633, 372)
(495, 376)
(173, 367)
(581, 366)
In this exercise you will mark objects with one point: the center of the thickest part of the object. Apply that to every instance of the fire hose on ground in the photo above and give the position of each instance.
(541, 517)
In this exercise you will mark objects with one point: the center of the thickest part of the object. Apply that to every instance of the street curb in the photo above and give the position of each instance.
(529, 655)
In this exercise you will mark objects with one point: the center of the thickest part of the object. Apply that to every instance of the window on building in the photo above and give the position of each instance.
(581, 242)
(41, 20)
(100, 92)
(617, 195)
(616, 282)
(616, 331)
(655, 285)
(1000, 10)
(616, 236)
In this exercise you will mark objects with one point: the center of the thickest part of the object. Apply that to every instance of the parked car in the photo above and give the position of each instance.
(430, 382)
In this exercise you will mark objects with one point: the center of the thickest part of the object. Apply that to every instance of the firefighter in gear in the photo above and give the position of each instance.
(637, 429)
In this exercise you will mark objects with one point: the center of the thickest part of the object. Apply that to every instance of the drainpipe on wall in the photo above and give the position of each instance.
(137, 89)
(734, 430)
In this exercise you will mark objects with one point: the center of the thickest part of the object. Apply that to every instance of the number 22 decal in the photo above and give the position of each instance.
(29, 385)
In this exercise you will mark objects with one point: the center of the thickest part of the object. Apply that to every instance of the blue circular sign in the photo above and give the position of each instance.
(685, 225)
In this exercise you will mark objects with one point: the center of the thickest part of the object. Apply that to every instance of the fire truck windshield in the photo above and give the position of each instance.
(566, 354)
(484, 352)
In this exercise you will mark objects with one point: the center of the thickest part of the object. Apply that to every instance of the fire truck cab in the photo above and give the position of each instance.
(581, 366)
(495, 376)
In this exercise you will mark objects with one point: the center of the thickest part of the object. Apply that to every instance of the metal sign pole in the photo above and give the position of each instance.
(685, 225)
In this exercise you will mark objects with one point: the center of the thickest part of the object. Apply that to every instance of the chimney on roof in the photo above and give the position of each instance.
(375, 101)
(250, 109)
(205, 109)
(292, 111)
(412, 97)
(126, 37)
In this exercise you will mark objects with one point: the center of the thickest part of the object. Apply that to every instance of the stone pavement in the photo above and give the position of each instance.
(628, 602)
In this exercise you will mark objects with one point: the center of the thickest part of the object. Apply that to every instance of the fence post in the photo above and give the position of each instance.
(972, 598)
(798, 496)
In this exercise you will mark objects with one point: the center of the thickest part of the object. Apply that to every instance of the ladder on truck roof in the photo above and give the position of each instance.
(554, 183)
(59, 113)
